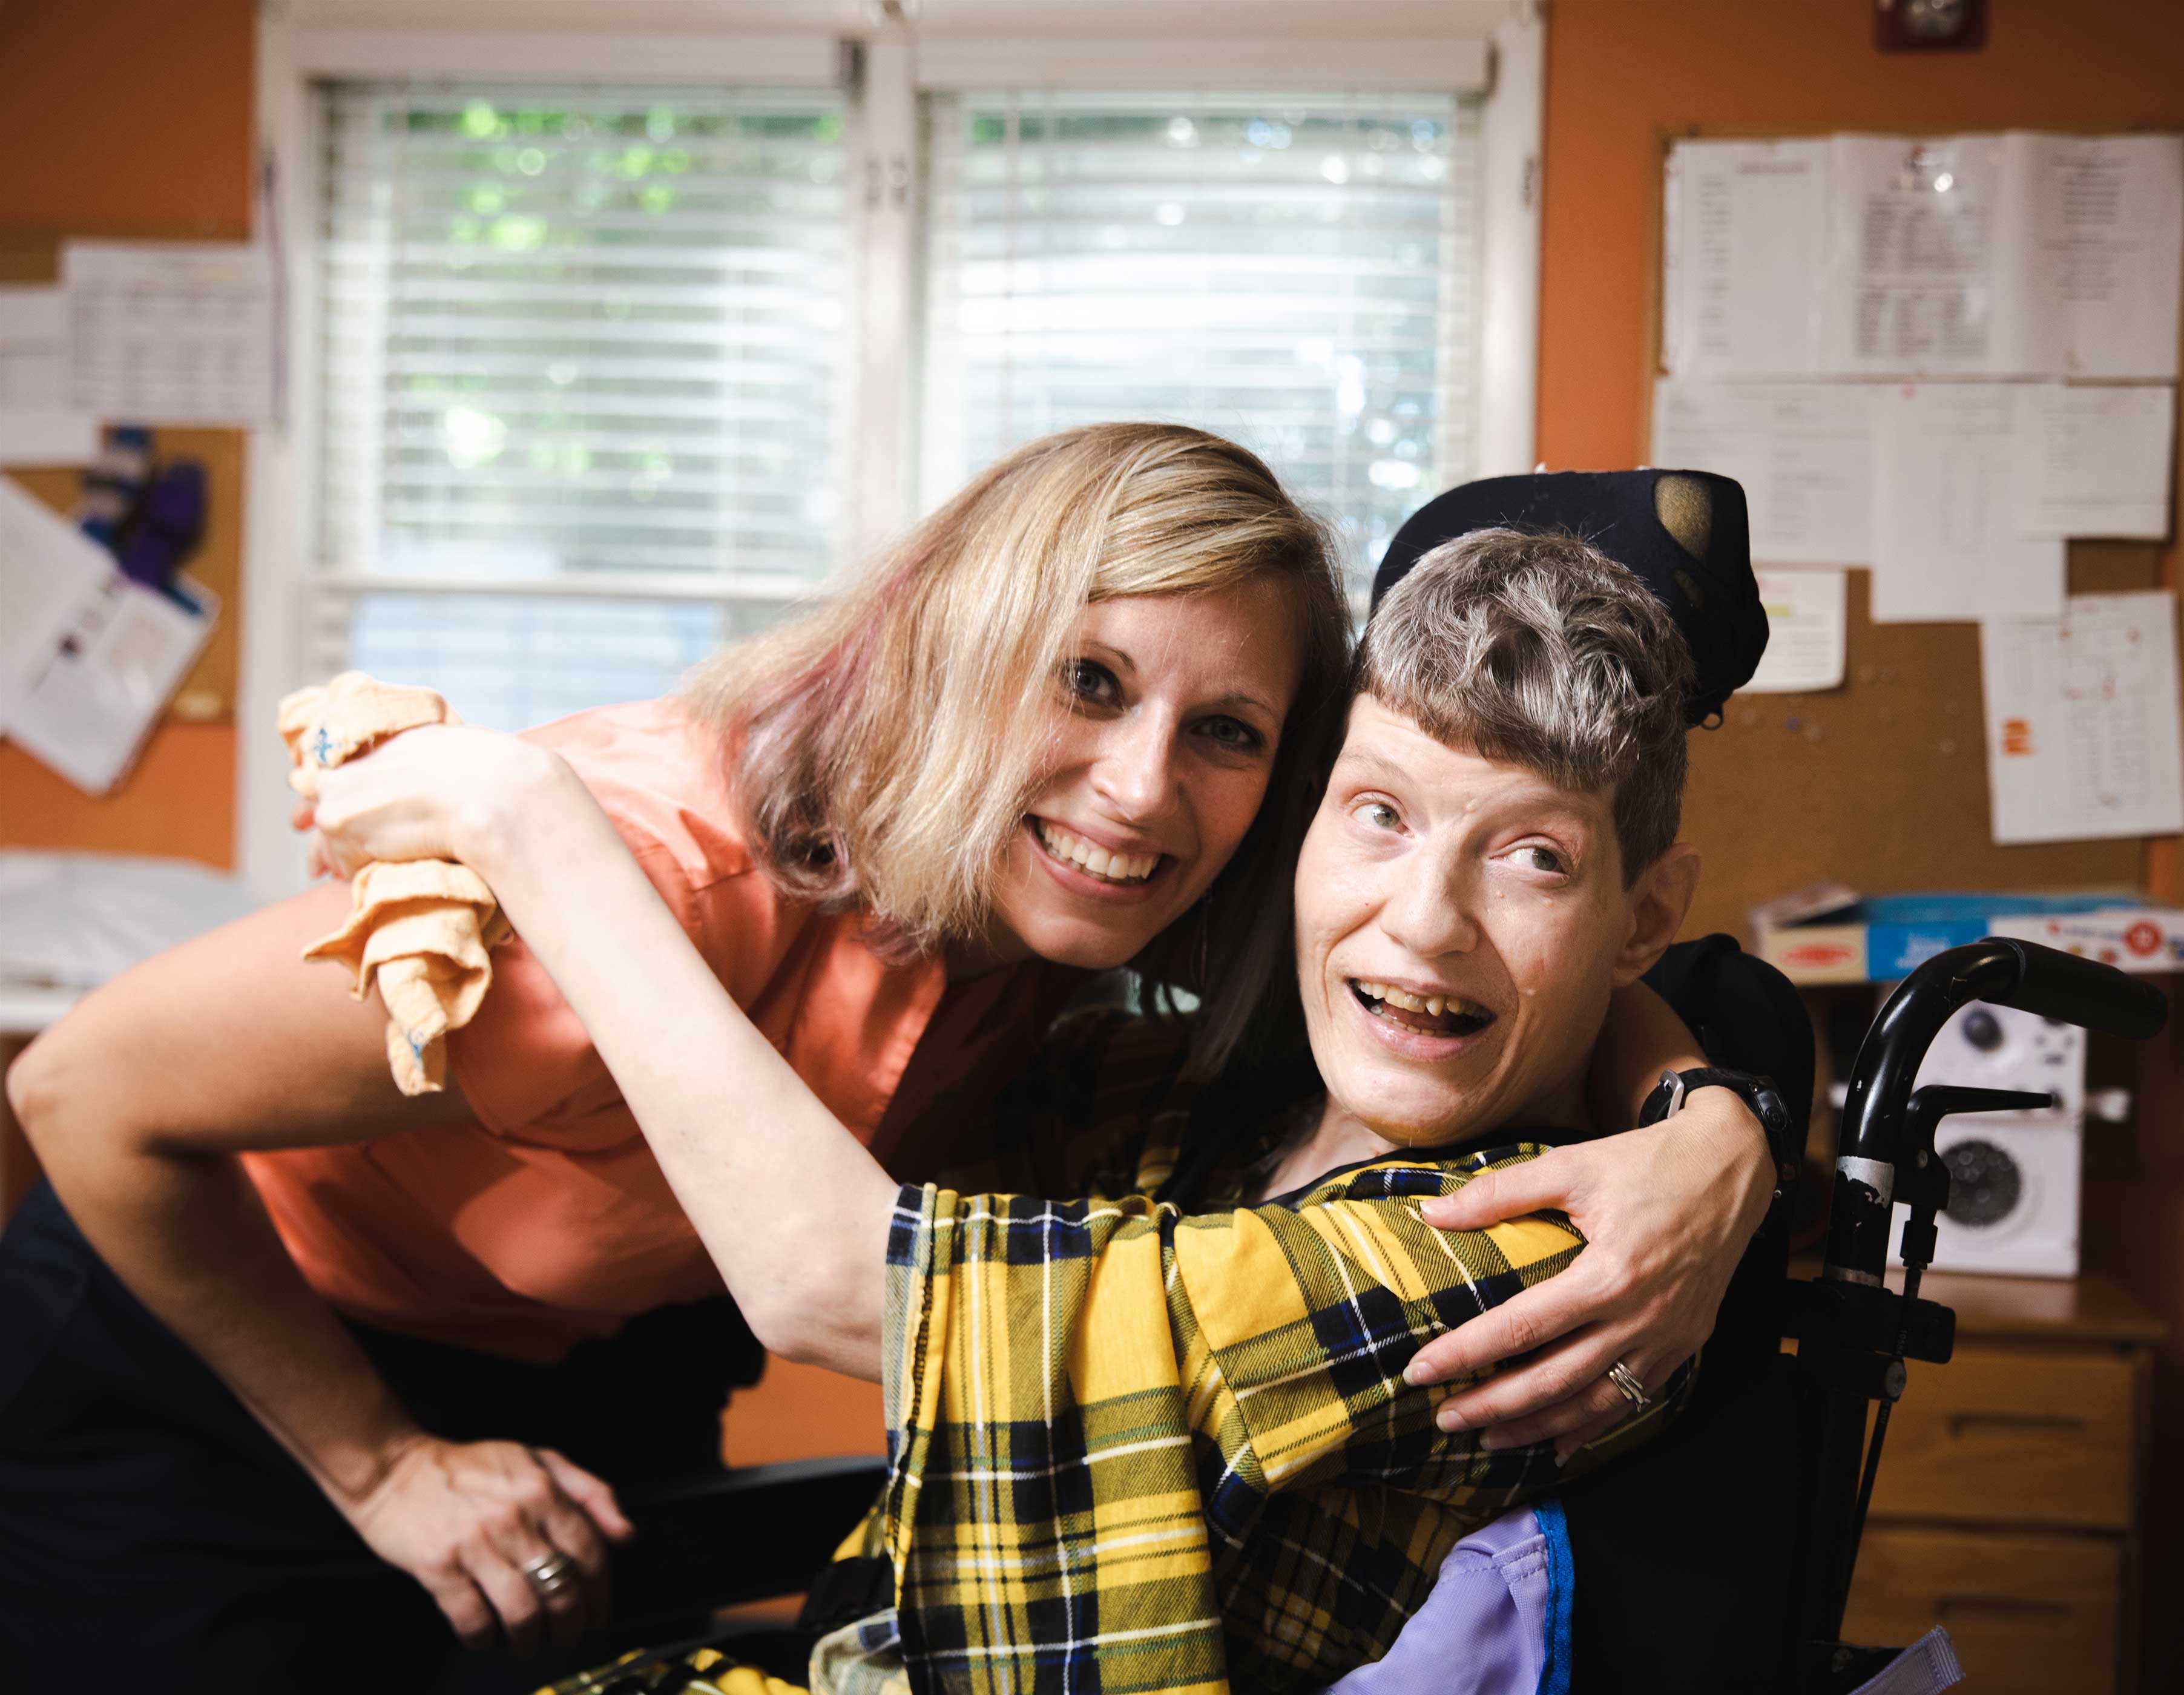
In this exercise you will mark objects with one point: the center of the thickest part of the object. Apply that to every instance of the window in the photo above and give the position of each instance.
(584, 382)
(1296, 272)
(598, 375)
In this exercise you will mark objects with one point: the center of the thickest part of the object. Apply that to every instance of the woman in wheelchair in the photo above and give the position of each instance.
(1178, 1432)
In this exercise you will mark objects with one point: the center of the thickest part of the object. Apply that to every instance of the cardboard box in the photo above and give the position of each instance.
(1830, 933)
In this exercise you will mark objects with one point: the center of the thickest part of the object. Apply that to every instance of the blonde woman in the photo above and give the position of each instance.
(279, 1340)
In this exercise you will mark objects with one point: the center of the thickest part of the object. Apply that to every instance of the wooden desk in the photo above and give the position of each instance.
(2008, 1508)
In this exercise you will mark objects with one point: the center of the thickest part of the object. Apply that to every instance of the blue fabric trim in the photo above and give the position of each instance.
(1562, 1591)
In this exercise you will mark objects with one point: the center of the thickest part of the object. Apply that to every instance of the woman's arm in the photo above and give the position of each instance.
(794, 1211)
(792, 1208)
(1667, 1211)
(138, 1103)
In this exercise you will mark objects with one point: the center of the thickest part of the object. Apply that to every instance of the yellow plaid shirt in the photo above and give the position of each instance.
(1132, 1449)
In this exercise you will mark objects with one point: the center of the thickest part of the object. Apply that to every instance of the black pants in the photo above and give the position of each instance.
(153, 1535)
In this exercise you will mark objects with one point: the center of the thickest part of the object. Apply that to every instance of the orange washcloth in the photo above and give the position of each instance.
(418, 930)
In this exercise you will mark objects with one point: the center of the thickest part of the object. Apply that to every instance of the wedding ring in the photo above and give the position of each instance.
(1633, 1391)
(549, 1574)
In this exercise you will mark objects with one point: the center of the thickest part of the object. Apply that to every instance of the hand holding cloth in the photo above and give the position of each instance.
(419, 931)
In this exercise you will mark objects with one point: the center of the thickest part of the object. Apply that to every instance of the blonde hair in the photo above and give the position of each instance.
(876, 745)
(1541, 650)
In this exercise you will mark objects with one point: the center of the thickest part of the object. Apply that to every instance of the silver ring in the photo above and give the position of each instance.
(549, 1574)
(1626, 1380)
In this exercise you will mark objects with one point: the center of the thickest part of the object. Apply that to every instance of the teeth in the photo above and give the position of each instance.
(1433, 1005)
(1116, 868)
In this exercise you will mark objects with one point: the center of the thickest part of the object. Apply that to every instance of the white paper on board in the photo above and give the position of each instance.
(1803, 452)
(47, 435)
(38, 425)
(2014, 254)
(2095, 461)
(96, 700)
(2083, 733)
(49, 571)
(1744, 226)
(2105, 249)
(1805, 624)
(170, 332)
(1914, 280)
(1945, 541)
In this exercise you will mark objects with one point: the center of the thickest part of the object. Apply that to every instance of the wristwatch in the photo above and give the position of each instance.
(1786, 1139)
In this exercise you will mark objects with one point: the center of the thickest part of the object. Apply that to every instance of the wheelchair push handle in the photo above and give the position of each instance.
(2002, 971)
(2074, 991)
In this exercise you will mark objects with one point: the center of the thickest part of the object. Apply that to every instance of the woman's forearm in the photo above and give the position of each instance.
(138, 1103)
(792, 1207)
(187, 1233)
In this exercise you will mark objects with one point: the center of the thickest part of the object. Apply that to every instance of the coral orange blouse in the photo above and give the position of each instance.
(544, 1219)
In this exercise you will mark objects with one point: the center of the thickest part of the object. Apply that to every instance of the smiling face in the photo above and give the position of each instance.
(1461, 924)
(1169, 708)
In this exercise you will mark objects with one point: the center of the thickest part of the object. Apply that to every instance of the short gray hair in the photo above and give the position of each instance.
(1541, 650)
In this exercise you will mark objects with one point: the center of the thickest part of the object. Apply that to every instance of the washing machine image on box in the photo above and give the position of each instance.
(2013, 1177)
(2012, 1196)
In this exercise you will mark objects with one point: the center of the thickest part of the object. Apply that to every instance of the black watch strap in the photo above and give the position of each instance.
(1786, 1140)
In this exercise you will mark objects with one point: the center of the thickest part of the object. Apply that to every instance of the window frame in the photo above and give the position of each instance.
(1493, 49)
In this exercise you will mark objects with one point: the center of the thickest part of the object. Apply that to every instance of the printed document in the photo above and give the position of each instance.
(2011, 254)
(1802, 451)
(1805, 621)
(37, 424)
(1744, 223)
(49, 571)
(1945, 544)
(2082, 736)
(2108, 229)
(2095, 461)
(174, 332)
(1915, 282)
(124, 652)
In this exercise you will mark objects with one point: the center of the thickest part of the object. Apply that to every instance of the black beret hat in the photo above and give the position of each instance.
(1685, 534)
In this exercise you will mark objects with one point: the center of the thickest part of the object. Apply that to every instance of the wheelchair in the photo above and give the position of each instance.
(1719, 1558)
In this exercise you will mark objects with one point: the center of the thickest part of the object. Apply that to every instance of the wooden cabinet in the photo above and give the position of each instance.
(2010, 1489)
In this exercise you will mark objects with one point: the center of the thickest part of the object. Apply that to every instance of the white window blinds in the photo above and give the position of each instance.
(1300, 272)
(585, 358)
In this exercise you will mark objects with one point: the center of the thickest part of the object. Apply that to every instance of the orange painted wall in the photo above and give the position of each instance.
(128, 118)
(1622, 73)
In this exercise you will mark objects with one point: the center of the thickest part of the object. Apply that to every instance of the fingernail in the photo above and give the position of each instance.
(1418, 1376)
(1493, 1441)
(1449, 1420)
(1562, 1459)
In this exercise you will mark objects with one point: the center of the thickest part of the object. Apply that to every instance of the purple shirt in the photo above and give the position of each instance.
(1496, 1623)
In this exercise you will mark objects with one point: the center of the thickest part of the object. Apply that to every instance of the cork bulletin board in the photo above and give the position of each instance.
(207, 693)
(1880, 783)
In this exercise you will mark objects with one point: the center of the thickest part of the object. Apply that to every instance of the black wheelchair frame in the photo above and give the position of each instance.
(1853, 1333)
(1775, 1583)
